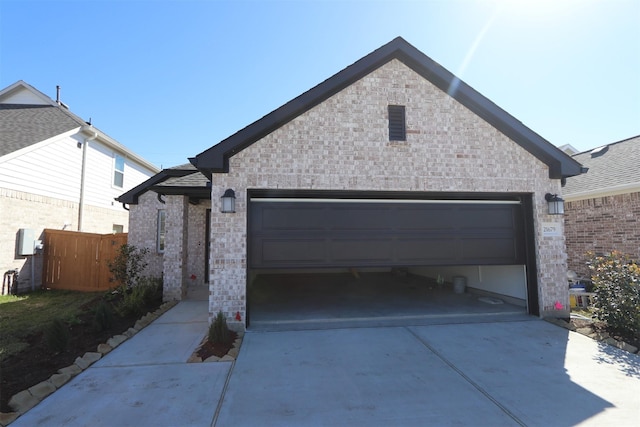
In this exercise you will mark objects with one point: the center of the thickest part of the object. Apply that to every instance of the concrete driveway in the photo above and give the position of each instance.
(528, 373)
(519, 372)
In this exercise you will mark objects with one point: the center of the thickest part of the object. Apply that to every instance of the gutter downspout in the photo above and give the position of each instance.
(83, 177)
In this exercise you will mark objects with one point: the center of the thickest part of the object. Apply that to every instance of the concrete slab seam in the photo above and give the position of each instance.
(222, 395)
(466, 378)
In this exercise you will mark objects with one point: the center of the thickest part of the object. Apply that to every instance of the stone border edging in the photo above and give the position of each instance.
(596, 336)
(27, 399)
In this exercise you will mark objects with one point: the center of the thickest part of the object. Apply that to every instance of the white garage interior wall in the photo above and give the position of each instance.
(508, 281)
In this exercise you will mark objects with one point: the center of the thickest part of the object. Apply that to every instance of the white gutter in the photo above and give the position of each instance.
(83, 176)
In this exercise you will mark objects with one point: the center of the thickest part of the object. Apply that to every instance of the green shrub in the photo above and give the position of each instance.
(128, 265)
(136, 299)
(218, 330)
(103, 317)
(57, 335)
(616, 282)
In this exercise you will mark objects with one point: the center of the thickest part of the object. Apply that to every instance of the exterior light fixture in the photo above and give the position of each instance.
(228, 201)
(556, 204)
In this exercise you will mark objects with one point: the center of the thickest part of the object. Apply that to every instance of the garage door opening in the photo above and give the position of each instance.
(357, 257)
(392, 297)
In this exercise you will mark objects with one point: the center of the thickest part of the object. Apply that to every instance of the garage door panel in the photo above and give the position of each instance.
(357, 218)
(352, 234)
(418, 218)
(489, 250)
(426, 251)
(297, 251)
(296, 218)
(361, 250)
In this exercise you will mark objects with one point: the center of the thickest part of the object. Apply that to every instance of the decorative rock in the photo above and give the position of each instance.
(130, 332)
(227, 358)
(104, 348)
(584, 331)
(233, 352)
(87, 360)
(8, 417)
(23, 401)
(599, 336)
(623, 345)
(212, 359)
(139, 325)
(194, 359)
(116, 340)
(58, 380)
(42, 390)
(72, 370)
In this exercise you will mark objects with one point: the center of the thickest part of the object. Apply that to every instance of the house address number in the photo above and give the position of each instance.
(550, 229)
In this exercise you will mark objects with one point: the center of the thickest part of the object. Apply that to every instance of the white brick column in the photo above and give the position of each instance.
(175, 249)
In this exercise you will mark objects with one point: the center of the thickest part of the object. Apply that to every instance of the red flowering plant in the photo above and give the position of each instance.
(616, 282)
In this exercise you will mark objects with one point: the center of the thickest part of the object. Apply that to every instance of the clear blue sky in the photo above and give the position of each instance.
(169, 79)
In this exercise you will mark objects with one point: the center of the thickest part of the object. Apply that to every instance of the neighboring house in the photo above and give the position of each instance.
(392, 162)
(602, 207)
(59, 172)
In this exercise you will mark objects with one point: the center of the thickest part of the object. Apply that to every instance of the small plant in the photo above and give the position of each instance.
(103, 317)
(136, 299)
(616, 282)
(57, 335)
(218, 331)
(128, 265)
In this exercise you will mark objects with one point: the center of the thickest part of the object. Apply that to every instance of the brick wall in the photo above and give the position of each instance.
(183, 260)
(26, 210)
(143, 226)
(601, 225)
(342, 144)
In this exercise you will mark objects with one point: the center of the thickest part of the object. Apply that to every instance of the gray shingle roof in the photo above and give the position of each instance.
(614, 165)
(24, 125)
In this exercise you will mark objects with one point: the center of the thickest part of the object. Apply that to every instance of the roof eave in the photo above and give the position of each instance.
(561, 165)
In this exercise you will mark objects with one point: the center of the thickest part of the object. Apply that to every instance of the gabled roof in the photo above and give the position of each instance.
(183, 180)
(613, 169)
(561, 165)
(28, 116)
(30, 119)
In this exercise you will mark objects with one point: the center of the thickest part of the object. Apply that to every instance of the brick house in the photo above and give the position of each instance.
(58, 172)
(602, 207)
(391, 163)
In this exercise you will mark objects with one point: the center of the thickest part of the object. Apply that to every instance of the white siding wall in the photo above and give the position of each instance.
(54, 168)
(51, 169)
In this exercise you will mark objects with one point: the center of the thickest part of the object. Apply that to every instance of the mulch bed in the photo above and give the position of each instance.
(209, 348)
(37, 362)
(601, 328)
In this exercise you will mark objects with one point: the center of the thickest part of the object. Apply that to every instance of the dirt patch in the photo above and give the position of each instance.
(37, 362)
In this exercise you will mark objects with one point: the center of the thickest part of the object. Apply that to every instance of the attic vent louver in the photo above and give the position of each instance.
(599, 151)
(397, 127)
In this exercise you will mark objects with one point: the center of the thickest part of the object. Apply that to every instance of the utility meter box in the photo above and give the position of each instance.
(26, 239)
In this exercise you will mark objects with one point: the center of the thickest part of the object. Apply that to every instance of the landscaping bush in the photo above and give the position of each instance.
(616, 282)
(218, 331)
(57, 335)
(136, 299)
(103, 317)
(128, 265)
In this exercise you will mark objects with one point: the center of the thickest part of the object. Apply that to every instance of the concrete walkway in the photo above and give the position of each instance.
(143, 382)
(511, 373)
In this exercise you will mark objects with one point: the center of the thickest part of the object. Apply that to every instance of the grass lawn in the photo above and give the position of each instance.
(23, 315)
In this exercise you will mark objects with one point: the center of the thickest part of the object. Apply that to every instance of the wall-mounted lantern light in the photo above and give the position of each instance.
(228, 201)
(556, 204)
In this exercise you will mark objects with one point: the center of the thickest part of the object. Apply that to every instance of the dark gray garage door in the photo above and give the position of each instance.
(306, 233)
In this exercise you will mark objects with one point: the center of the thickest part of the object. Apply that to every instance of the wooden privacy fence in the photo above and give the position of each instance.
(78, 261)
